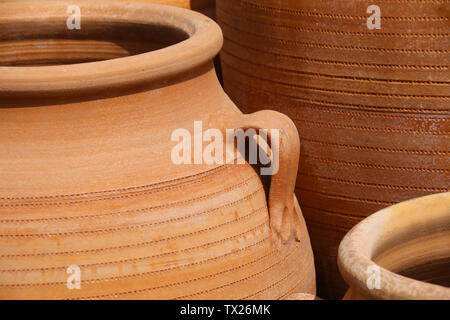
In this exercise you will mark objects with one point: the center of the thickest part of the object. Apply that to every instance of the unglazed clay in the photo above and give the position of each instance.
(371, 105)
(207, 7)
(401, 252)
(204, 6)
(179, 3)
(300, 296)
(88, 189)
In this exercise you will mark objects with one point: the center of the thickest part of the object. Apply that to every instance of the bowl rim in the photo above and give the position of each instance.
(356, 249)
(202, 45)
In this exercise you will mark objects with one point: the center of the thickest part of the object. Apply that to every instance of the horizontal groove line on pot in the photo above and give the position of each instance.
(119, 213)
(290, 291)
(115, 278)
(135, 245)
(241, 280)
(130, 189)
(379, 149)
(61, 45)
(336, 196)
(115, 295)
(333, 47)
(175, 187)
(375, 185)
(283, 70)
(293, 289)
(141, 258)
(366, 114)
(344, 215)
(347, 48)
(87, 56)
(343, 92)
(371, 129)
(330, 76)
(327, 225)
(68, 45)
(303, 13)
(350, 33)
(84, 232)
(347, 63)
(245, 87)
(271, 286)
(203, 262)
(376, 166)
(57, 52)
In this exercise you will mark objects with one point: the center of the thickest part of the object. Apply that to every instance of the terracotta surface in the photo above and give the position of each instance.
(86, 174)
(410, 245)
(300, 296)
(179, 3)
(207, 7)
(372, 106)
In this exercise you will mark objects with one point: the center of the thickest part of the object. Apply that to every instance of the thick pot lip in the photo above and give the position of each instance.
(203, 44)
(361, 242)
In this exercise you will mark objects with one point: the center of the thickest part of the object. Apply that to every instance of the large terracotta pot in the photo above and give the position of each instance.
(179, 3)
(88, 188)
(401, 252)
(204, 6)
(372, 106)
(207, 7)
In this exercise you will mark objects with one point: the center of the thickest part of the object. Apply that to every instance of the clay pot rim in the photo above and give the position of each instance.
(354, 259)
(203, 44)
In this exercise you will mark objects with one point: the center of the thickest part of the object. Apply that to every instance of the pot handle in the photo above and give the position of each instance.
(282, 132)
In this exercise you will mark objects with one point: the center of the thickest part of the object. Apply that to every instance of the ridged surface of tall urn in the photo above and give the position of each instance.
(371, 102)
(92, 203)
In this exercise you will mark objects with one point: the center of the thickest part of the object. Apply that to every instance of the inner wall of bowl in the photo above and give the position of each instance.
(53, 43)
(425, 257)
(435, 272)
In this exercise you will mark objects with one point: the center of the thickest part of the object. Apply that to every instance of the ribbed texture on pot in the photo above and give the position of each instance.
(189, 245)
(207, 7)
(88, 169)
(372, 106)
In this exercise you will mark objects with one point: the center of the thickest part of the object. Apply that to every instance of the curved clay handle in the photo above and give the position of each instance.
(281, 194)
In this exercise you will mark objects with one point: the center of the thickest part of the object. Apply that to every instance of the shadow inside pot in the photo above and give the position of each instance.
(431, 264)
(207, 7)
(54, 44)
